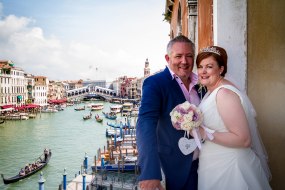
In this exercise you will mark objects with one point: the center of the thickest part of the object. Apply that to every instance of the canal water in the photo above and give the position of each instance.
(67, 135)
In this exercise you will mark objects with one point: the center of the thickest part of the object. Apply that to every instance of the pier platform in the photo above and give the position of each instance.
(76, 183)
(105, 180)
(115, 180)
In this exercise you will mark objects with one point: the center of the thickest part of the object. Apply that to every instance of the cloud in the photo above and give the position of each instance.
(39, 55)
(48, 56)
(119, 50)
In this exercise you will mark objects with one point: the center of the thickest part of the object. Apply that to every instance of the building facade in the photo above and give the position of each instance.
(56, 90)
(13, 85)
(30, 88)
(41, 90)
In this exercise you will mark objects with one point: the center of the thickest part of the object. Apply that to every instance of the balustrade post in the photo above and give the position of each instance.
(64, 179)
(84, 181)
(41, 182)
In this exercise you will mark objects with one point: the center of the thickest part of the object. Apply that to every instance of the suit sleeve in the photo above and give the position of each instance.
(146, 131)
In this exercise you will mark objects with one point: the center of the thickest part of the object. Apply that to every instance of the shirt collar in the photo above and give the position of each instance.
(193, 76)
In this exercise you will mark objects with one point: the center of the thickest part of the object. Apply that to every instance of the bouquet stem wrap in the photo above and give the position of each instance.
(196, 137)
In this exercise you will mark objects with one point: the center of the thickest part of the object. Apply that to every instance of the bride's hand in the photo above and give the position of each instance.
(206, 133)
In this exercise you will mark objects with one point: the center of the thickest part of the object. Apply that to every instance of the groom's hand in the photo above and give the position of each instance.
(150, 185)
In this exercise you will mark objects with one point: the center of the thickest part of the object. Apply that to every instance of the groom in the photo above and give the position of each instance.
(157, 139)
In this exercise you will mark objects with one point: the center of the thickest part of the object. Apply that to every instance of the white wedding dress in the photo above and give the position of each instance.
(224, 168)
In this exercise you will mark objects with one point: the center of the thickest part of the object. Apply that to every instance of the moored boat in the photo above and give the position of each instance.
(96, 107)
(79, 108)
(15, 116)
(127, 108)
(116, 100)
(49, 110)
(31, 115)
(41, 163)
(135, 112)
(69, 104)
(111, 116)
(127, 164)
(116, 108)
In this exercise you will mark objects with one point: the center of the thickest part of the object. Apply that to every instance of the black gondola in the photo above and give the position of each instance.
(2, 121)
(43, 162)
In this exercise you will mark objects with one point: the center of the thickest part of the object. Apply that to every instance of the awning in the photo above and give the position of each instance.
(59, 101)
(26, 106)
(6, 109)
(7, 106)
(32, 106)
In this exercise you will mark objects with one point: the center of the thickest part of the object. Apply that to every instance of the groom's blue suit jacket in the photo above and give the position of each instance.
(157, 139)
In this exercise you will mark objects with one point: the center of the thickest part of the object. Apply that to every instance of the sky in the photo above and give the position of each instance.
(84, 39)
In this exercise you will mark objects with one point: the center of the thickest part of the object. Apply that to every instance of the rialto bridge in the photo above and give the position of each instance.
(91, 89)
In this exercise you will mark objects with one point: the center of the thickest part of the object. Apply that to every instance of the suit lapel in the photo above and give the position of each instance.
(175, 88)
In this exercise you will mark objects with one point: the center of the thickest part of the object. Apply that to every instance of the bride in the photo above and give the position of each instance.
(232, 156)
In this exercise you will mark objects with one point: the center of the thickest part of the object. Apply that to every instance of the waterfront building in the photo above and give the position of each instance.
(13, 84)
(75, 84)
(132, 89)
(5, 82)
(30, 84)
(65, 85)
(41, 90)
(125, 84)
(56, 90)
(139, 87)
(19, 86)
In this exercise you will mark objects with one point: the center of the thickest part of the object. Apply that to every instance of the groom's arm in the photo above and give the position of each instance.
(146, 131)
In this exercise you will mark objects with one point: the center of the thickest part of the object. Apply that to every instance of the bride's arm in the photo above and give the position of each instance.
(232, 113)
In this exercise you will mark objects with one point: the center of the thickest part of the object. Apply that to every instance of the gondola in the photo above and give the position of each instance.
(98, 119)
(2, 121)
(80, 109)
(87, 116)
(43, 162)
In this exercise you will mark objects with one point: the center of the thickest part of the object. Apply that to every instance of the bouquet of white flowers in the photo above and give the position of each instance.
(187, 117)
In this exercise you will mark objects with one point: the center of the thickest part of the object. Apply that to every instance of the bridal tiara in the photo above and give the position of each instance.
(211, 50)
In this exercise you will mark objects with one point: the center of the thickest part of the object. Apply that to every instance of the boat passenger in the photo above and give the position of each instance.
(34, 166)
(22, 172)
(37, 163)
(27, 169)
(31, 167)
